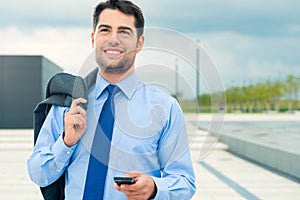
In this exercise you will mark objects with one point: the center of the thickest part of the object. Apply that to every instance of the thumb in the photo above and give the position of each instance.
(134, 174)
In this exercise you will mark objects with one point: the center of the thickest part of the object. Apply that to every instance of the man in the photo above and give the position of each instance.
(148, 138)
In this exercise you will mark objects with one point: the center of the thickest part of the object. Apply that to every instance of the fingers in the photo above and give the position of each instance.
(133, 187)
(78, 101)
(78, 120)
(76, 108)
(133, 174)
(75, 122)
(76, 114)
(142, 189)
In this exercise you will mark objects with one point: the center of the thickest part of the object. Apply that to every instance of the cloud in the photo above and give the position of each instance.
(248, 40)
(247, 58)
(35, 13)
(252, 17)
(67, 47)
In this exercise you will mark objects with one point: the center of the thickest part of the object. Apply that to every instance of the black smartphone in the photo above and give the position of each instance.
(124, 180)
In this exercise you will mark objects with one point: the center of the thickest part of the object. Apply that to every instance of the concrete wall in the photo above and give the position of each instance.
(280, 159)
(21, 88)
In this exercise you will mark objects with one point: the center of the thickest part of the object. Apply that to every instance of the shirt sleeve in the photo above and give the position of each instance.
(178, 178)
(50, 155)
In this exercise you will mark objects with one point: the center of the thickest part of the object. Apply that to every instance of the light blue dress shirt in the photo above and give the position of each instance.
(149, 136)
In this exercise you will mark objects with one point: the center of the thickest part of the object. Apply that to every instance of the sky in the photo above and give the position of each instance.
(246, 40)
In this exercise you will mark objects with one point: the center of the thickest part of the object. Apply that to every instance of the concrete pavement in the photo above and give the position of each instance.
(220, 175)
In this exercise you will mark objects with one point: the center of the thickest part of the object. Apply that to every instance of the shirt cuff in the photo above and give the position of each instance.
(62, 152)
(162, 188)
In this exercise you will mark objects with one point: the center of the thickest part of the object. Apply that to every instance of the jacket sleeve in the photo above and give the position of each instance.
(50, 155)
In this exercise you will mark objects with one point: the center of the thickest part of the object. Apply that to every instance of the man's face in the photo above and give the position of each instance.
(115, 42)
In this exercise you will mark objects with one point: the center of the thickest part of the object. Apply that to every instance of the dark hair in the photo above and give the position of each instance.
(126, 7)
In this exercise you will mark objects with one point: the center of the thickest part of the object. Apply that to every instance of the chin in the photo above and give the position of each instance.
(116, 70)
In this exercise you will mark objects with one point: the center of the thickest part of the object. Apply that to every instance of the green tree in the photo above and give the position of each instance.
(292, 91)
(277, 90)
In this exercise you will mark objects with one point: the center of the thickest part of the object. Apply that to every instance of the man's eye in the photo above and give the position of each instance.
(104, 30)
(124, 32)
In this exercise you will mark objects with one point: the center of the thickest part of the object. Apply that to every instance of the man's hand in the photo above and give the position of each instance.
(143, 189)
(75, 122)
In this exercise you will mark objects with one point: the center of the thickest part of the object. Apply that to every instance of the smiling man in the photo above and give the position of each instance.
(129, 129)
(116, 43)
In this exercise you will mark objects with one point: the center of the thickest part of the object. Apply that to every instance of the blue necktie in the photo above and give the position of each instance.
(97, 169)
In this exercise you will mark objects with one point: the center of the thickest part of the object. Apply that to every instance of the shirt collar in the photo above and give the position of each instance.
(127, 85)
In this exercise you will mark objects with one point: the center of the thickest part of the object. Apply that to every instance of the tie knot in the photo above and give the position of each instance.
(110, 89)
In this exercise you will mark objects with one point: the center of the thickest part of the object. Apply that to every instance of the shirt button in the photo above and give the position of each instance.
(68, 152)
(58, 171)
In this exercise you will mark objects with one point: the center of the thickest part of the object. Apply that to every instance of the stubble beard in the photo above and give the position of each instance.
(116, 67)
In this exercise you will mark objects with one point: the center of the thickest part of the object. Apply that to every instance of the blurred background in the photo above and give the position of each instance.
(233, 66)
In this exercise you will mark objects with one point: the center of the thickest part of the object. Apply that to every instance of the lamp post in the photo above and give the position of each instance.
(198, 72)
(176, 77)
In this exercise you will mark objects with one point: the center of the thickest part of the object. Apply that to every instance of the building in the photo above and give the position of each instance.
(23, 81)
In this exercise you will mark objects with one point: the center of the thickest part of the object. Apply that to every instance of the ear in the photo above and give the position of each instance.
(140, 44)
(93, 39)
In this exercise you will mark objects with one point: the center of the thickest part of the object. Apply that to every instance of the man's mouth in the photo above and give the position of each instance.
(113, 52)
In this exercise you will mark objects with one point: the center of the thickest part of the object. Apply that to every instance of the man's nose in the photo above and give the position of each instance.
(114, 39)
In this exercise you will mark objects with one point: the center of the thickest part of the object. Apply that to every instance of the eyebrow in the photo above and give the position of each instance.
(103, 25)
(126, 28)
(120, 27)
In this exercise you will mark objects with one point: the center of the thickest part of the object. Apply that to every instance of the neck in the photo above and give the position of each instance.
(114, 78)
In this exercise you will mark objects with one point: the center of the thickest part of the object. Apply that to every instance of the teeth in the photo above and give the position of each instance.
(113, 52)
